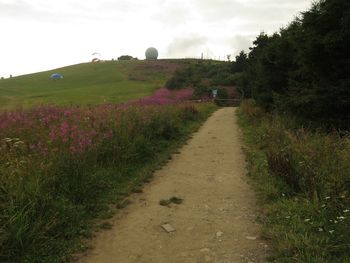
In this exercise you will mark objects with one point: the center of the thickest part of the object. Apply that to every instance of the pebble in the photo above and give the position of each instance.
(219, 234)
(251, 238)
(168, 228)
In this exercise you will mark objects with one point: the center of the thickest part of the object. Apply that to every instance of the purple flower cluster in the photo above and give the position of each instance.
(77, 129)
(50, 128)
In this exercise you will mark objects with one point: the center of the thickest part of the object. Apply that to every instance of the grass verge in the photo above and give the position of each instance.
(302, 180)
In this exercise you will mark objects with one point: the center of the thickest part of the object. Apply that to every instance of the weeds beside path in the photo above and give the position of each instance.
(302, 179)
(216, 221)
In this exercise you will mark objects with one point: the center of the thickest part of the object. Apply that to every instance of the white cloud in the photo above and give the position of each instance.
(43, 34)
(189, 46)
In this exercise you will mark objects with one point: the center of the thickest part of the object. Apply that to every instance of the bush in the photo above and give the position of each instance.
(201, 90)
(203, 73)
(126, 57)
(180, 79)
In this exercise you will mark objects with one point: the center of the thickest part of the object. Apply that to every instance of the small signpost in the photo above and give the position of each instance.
(215, 93)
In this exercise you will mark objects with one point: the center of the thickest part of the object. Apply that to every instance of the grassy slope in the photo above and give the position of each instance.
(87, 83)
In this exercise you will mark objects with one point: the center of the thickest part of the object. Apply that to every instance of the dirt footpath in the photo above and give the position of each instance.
(215, 222)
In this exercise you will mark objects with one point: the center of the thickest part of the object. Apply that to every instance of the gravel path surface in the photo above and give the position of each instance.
(216, 221)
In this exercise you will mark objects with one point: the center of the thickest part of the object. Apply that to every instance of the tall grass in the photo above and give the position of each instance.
(61, 166)
(303, 179)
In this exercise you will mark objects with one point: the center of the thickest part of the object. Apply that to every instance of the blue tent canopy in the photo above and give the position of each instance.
(56, 76)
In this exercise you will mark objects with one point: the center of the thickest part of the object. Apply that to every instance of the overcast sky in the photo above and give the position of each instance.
(44, 34)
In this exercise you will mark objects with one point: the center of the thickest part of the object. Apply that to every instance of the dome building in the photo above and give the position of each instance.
(151, 53)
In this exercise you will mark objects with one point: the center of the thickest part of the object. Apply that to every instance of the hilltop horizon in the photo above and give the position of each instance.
(43, 34)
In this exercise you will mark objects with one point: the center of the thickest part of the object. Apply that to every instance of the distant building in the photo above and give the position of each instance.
(125, 57)
(151, 53)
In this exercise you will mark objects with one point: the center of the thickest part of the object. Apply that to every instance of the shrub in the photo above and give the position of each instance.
(125, 57)
(203, 73)
(251, 109)
(201, 90)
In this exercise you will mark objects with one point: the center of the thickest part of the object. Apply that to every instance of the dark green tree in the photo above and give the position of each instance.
(305, 67)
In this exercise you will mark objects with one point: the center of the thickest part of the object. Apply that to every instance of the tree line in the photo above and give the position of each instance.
(303, 69)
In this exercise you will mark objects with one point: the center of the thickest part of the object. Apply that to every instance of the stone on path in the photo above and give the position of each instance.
(168, 228)
(250, 238)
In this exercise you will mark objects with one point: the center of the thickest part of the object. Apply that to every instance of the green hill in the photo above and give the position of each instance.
(87, 83)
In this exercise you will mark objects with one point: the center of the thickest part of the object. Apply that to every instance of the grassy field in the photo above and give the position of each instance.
(87, 83)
